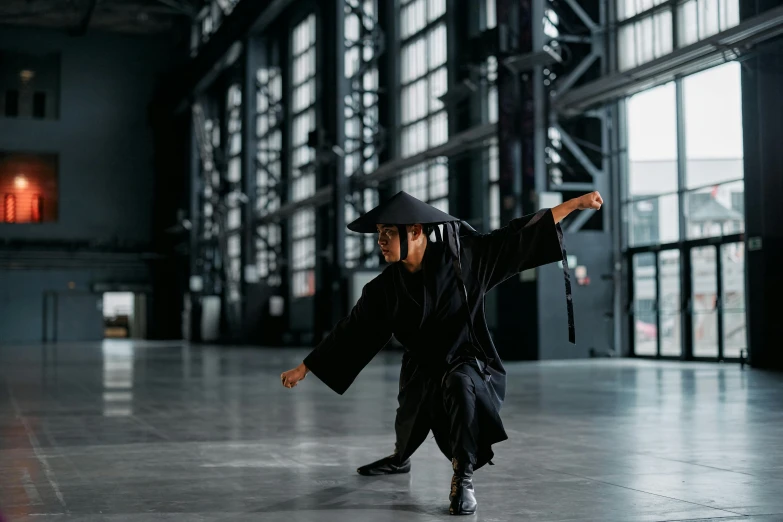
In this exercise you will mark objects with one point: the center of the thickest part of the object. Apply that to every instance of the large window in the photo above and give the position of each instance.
(303, 109)
(268, 170)
(645, 39)
(428, 182)
(712, 159)
(423, 79)
(491, 158)
(423, 75)
(702, 18)
(647, 27)
(489, 21)
(493, 178)
(303, 253)
(302, 178)
(233, 198)
(211, 181)
(696, 180)
(713, 152)
(652, 208)
(208, 20)
(362, 124)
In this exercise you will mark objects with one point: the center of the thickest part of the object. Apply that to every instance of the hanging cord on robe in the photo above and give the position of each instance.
(566, 274)
(569, 296)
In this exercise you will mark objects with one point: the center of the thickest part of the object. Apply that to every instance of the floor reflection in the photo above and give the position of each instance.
(207, 433)
(118, 365)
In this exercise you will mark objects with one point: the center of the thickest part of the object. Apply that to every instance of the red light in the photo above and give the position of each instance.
(10, 208)
(37, 209)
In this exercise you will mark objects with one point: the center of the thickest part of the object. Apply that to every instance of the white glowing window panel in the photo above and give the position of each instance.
(490, 14)
(492, 90)
(493, 177)
(234, 246)
(303, 252)
(423, 75)
(268, 171)
(361, 124)
(628, 8)
(234, 139)
(234, 218)
(698, 19)
(303, 84)
(235, 170)
(428, 182)
(551, 22)
(645, 40)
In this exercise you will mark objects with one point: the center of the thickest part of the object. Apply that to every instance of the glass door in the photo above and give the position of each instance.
(670, 303)
(644, 309)
(733, 327)
(704, 302)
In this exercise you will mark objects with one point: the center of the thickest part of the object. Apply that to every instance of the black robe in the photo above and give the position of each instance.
(433, 327)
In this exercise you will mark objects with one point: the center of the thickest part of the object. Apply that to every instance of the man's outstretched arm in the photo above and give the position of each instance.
(526, 242)
(351, 345)
(591, 201)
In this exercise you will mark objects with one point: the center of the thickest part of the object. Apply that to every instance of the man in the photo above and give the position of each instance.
(431, 298)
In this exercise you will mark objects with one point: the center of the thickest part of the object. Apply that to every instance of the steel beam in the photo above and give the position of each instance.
(578, 222)
(719, 48)
(577, 151)
(572, 186)
(84, 21)
(471, 138)
(248, 17)
(583, 16)
(566, 83)
(322, 196)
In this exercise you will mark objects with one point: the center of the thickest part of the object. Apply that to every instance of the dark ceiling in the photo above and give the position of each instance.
(80, 16)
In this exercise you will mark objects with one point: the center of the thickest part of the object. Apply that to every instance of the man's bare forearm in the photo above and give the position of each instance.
(563, 209)
(591, 201)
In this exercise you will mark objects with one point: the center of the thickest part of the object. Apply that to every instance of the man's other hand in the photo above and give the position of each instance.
(292, 377)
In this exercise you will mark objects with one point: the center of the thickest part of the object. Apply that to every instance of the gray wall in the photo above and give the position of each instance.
(591, 302)
(103, 137)
(22, 301)
(106, 176)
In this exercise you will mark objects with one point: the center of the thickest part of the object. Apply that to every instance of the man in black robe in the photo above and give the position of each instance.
(431, 298)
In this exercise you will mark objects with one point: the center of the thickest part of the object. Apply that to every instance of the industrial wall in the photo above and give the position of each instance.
(592, 300)
(106, 176)
(102, 137)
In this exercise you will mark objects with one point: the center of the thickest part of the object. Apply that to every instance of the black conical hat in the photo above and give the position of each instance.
(401, 209)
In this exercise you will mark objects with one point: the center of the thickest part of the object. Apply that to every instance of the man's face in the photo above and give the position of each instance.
(389, 241)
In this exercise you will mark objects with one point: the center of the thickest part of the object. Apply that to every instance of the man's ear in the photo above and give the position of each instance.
(416, 230)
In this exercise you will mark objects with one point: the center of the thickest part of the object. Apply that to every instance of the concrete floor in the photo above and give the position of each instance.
(159, 432)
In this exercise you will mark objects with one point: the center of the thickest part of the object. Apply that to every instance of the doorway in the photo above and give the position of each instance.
(124, 315)
(688, 300)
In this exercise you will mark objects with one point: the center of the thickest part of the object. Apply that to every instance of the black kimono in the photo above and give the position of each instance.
(427, 314)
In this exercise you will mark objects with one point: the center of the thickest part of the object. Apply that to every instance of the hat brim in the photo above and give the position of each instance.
(402, 209)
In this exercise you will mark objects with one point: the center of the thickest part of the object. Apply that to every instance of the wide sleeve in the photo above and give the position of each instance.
(526, 242)
(354, 341)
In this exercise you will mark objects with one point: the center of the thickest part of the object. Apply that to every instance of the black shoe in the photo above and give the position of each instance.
(390, 465)
(462, 496)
